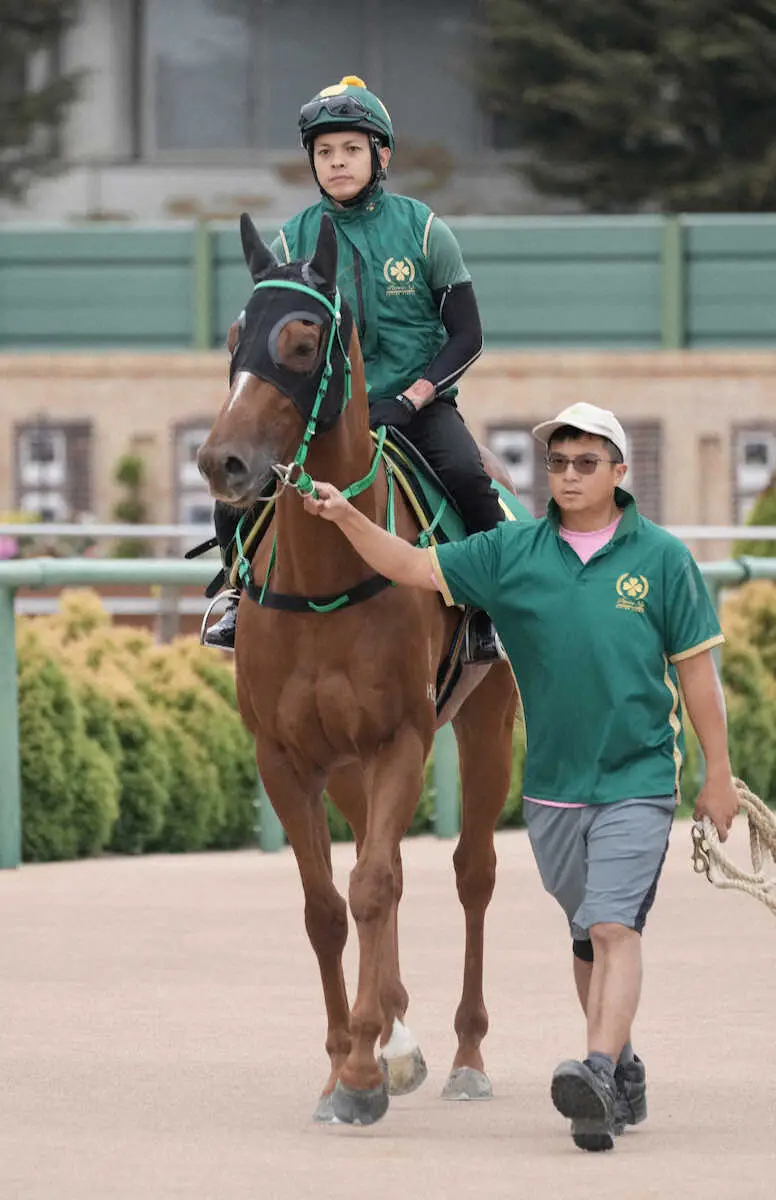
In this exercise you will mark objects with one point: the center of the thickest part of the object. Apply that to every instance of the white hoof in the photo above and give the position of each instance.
(467, 1084)
(401, 1061)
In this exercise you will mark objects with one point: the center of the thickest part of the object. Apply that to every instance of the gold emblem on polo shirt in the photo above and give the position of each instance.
(632, 591)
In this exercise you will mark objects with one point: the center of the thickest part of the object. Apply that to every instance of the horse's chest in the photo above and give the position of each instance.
(329, 715)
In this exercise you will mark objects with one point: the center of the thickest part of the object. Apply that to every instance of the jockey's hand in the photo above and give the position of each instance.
(328, 503)
(397, 411)
(718, 800)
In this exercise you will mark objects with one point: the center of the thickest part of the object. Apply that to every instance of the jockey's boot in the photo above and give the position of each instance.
(221, 634)
(481, 642)
(226, 519)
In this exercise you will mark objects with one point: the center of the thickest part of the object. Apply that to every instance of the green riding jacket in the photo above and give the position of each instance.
(393, 253)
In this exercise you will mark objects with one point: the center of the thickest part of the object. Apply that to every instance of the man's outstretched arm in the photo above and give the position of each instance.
(385, 553)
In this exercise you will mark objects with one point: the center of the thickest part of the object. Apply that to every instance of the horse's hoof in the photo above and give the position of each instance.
(467, 1084)
(405, 1073)
(324, 1112)
(355, 1107)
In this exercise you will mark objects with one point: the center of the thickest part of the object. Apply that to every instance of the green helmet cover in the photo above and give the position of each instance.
(366, 112)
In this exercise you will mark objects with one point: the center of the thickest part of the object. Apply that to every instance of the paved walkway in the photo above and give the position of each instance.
(161, 1036)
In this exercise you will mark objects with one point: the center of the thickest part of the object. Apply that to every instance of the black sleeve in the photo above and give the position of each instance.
(460, 317)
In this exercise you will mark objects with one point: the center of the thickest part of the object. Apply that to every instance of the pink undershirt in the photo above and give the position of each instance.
(584, 545)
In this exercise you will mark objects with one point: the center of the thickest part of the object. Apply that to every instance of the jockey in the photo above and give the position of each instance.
(401, 271)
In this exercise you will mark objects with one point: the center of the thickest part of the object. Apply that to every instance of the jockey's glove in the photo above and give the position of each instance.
(394, 410)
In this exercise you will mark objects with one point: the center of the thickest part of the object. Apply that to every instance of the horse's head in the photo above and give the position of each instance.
(290, 372)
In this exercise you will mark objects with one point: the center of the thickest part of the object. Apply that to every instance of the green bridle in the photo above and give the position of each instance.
(303, 483)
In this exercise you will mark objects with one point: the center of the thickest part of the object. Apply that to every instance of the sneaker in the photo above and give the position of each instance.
(630, 1105)
(481, 642)
(587, 1096)
(221, 635)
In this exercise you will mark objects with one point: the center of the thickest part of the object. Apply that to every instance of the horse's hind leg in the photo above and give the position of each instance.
(401, 1059)
(483, 728)
(303, 817)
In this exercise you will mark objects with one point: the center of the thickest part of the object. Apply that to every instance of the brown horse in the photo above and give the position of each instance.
(340, 694)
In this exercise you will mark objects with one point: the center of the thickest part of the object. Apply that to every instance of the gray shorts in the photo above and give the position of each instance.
(601, 862)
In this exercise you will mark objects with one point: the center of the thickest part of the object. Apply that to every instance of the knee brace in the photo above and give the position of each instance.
(582, 948)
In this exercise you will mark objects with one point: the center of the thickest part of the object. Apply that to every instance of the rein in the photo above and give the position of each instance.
(295, 476)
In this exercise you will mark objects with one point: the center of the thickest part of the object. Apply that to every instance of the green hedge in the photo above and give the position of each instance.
(763, 513)
(127, 746)
(131, 747)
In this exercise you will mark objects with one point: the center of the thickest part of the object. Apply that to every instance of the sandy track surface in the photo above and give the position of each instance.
(161, 1035)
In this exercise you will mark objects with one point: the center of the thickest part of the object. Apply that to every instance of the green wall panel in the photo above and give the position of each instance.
(552, 281)
(730, 281)
(119, 288)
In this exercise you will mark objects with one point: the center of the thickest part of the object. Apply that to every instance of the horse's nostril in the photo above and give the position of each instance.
(234, 467)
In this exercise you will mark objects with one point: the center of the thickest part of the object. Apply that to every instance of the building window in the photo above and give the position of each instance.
(193, 503)
(754, 466)
(229, 76)
(53, 469)
(645, 467)
(523, 456)
(42, 457)
(517, 450)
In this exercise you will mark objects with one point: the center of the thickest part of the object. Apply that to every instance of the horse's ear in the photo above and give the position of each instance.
(257, 256)
(324, 262)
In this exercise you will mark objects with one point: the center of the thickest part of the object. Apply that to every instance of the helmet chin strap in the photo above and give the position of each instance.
(375, 179)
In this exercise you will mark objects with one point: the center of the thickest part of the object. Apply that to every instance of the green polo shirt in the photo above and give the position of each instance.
(592, 647)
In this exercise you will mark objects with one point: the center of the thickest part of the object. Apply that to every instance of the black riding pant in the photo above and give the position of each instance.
(439, 433)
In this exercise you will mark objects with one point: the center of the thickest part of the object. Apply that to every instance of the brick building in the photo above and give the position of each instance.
(701, 426)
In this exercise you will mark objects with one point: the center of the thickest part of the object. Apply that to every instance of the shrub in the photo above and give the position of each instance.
(750, 612)
(193, 808)
(763, 513)
(200, 713)
(751, 705)
(144, 776)
(141, 747)
(69, 783)
(99, 718)
(130, 473)
(95, 800)
(49, 731)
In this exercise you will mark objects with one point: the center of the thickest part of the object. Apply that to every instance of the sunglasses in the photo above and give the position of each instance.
(583, 464)
(335, 106)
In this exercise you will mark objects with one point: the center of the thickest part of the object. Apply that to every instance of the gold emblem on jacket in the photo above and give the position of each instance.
(399, 274)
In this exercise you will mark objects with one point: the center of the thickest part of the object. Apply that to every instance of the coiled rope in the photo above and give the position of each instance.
(710, 859)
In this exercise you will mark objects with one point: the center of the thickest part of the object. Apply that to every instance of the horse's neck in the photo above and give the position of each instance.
(313, 555)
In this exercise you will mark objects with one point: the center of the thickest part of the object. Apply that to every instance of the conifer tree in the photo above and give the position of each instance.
(34, 92)
(626, 104)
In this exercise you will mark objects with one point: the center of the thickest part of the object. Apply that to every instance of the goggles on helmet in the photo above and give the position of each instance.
(335, 106)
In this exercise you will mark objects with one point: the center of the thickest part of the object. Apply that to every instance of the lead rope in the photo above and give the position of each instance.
(710, 859)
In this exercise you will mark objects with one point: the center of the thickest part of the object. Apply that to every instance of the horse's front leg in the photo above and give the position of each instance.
(302, 814)
(394, 780)
(401, 1059)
